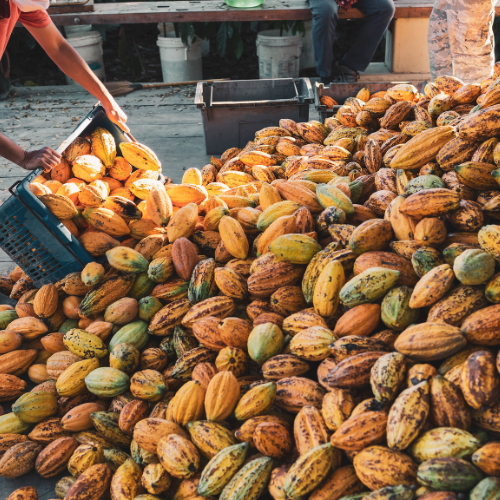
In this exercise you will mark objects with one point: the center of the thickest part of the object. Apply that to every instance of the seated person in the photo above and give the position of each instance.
(324, 21)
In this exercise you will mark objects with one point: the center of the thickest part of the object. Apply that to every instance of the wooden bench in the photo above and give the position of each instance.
(406, 48)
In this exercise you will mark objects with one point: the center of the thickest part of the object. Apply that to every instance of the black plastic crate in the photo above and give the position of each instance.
(32, 235)
(341, 91)
(232, 111)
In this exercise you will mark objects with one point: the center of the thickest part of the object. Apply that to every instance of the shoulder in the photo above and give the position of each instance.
(36, 18)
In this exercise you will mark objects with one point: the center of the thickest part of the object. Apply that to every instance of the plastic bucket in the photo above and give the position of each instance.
(77, 31)
(89, 46)
(307, 59)
(279, 56)
(244, 4)
(178, 62)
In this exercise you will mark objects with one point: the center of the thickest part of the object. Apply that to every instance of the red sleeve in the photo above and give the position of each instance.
(36, 18)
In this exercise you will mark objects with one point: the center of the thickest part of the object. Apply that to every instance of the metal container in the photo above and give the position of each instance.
(232, 111)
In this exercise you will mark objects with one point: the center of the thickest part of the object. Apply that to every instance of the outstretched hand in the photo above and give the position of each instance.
(116, 114)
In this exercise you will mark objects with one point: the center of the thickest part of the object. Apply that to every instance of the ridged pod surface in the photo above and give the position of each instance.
(140, 156)
(407, 416)
(387, 376)
(210, 437)
(480, 380)
(308, 471)
(310, 429)
(249, 482)
(378, 467)
(444, 442)
(92, 484)
(222, 396)
(448, 405)
(178, 456)
(312, 344)
(221, 468)
(33, 407)
(430, 341)
(450, 473)
(360, 431)
(256, 401)
(103, 146)
(149, 431)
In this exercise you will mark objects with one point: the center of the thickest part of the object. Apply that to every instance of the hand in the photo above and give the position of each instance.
(116, 114)
(45, 158)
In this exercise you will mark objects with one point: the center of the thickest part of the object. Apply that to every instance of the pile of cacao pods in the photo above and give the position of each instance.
(316, 316)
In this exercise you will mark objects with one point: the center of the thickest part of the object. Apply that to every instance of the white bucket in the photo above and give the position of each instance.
(178, 62)
(89, 46)
(307, 59)
(76, 31)
(279, 56)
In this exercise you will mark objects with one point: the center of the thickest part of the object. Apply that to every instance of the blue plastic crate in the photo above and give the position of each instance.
(32, 236)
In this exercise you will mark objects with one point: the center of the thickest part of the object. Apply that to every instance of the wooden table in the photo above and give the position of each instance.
(216, 11)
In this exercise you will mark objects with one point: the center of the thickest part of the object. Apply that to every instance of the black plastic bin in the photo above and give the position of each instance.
(233, 111)
(341, 91)
(32, 236)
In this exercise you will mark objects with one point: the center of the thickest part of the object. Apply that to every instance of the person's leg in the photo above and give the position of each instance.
(324, 22)
(378, 17)
(470, 26)
(438, 41)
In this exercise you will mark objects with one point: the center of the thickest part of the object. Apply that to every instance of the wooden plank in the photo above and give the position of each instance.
(178, 15)
(216, 10)
(70, 9)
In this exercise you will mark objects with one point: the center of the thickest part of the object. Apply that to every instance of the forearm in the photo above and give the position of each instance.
(45, 158)
(11, 151)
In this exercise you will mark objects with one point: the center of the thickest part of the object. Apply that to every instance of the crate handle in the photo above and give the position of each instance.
(309, 86)
(65, 232)
(11, 189)
(198, 100)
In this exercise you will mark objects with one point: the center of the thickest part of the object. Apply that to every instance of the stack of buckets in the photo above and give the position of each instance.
(88, 44)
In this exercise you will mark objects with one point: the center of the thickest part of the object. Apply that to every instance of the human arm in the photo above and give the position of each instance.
(72, 64)
(45, 158)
